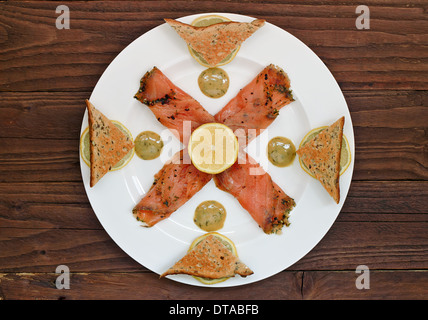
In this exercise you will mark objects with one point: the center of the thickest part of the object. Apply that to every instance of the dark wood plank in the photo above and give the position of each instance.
(66, 206)
(388, 56)
(386, 201)
(394, 109)
(391, 3)
(287, 285)
(42, 115)
(379, 245)
(389, 127)
(404, 152)
(42, 250)
(140, 286)
(46, 205)
(384, 285)
(27, 160)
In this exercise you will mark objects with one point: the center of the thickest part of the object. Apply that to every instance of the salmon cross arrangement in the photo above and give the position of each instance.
(255, 107)
(215, 41)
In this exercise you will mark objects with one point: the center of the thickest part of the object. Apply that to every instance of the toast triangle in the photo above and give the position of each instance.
(108, 144)
(215, 42)
(321, 155)
(210, 259)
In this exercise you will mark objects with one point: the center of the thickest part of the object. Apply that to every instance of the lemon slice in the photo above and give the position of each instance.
(208, 20)
(85, 147)
(213, 147)
(205, 21)
(345, 155)
(226, 241)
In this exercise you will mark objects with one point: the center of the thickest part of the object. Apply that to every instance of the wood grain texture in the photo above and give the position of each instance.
(380, 245)
(46, 219)
(288, 285)
(141, 286)
(390, 55)
(384, 285)
(64, 205)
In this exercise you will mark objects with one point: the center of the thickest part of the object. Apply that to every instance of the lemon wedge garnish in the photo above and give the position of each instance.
(205, 21)
(226, 241)
(85, 147)
(213, 147)
(345, 155)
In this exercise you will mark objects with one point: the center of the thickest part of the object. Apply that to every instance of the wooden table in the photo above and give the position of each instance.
(45, 216)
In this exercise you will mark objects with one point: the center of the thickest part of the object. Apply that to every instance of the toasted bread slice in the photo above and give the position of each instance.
(215, 42)
(108, 144)
(321, 155)
(210, 259)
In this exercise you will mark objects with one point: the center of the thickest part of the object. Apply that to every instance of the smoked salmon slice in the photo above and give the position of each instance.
(266, 202)
(257, 105)
(174, 185)
(173, 107)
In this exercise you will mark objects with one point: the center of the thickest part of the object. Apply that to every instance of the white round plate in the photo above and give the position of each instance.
(318, 102)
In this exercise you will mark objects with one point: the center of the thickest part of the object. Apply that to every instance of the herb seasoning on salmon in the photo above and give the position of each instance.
(174, 185)
(172, 106)
(257, 105)
(266, 202)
